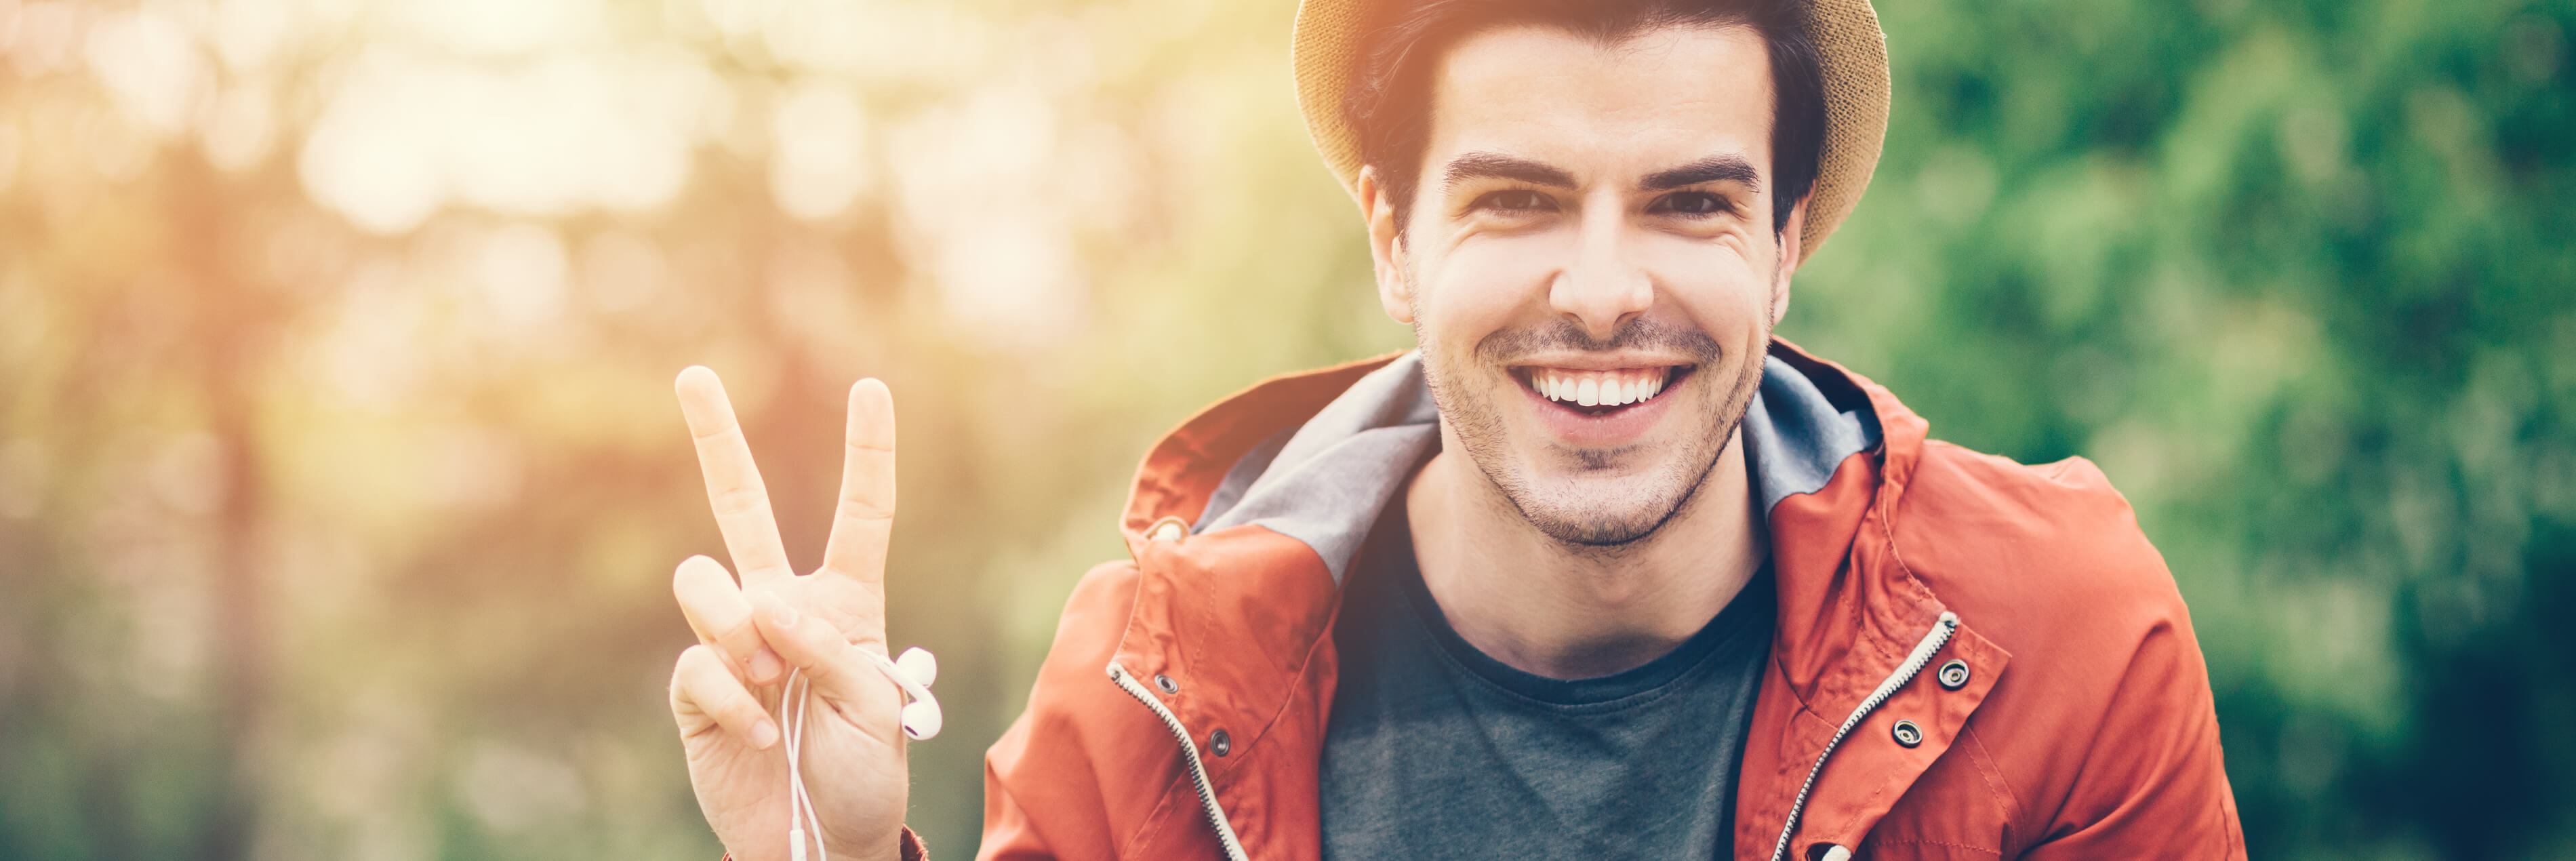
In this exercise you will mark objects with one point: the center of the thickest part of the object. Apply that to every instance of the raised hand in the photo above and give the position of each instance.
(726, 689)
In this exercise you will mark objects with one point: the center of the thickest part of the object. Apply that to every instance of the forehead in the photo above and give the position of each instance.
(1663, 96)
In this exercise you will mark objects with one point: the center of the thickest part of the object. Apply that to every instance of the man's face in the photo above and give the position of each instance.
(1589, 264)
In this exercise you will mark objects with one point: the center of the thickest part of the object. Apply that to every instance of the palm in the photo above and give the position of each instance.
(724, 690)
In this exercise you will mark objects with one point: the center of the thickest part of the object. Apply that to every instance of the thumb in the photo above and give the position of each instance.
(829, 661)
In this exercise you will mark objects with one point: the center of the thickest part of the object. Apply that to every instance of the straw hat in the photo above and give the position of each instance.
(1851, 52)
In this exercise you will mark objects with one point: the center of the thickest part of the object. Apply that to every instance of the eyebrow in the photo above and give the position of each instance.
(1492, 165)
(1716, 168)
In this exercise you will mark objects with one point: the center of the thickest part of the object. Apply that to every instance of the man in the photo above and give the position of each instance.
(1602, 569)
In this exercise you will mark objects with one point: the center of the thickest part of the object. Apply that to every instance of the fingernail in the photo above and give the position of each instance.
(766, 666)
(764, 734)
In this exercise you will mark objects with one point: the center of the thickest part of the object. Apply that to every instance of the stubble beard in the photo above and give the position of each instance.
(1590, 512)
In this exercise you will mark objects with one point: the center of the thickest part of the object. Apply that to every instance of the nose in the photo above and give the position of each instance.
(1603, 285)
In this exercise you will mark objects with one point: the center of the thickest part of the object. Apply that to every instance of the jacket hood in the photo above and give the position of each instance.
(1324, 481)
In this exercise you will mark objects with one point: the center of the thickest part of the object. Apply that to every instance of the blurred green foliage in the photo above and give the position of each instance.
(335, 528)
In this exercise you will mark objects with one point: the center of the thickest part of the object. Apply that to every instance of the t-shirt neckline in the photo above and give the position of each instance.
(1736, 619)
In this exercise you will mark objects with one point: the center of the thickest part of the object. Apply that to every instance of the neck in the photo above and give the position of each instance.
(1567, 611)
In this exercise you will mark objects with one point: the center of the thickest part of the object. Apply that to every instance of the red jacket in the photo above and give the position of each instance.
(2009, 621)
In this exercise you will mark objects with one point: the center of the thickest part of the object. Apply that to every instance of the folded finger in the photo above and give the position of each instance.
(721, 616)
(703, 690)
(808, 643)
(734, 488)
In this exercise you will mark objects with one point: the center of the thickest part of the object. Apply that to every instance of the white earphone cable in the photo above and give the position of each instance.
(921, 720)
(800, 804)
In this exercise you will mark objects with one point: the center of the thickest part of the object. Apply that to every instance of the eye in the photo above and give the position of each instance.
(1512, 201)
(1694, 203)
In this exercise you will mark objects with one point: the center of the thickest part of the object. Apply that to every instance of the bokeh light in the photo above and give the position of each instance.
(341, 482)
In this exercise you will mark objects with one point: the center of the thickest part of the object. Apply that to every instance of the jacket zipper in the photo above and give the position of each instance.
(1189, 753)
(1923, 652)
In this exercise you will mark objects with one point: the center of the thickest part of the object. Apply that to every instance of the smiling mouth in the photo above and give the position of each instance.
(1599, 392)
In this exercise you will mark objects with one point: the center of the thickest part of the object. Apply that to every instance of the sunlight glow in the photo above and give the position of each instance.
(818, 165)
(405, 135)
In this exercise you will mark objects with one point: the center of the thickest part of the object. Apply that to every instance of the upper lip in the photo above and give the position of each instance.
(1600, 362)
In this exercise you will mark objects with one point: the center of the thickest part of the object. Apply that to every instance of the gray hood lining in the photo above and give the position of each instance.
(1325, 482)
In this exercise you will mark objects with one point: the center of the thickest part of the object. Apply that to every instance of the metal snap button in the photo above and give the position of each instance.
(1166, 683)
(1954, 675)
(1908, 734)
(1219, 743)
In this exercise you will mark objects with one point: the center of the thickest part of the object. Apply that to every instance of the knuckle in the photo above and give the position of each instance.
(860, 511)
(811, 643)
(692, 583)
(740, 636)
(719, 424)
(740, 498)
(698, 567)
(692, 658)
(702, 678)
(701, 666)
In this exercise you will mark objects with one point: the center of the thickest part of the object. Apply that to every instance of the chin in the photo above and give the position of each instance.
(1591, 507)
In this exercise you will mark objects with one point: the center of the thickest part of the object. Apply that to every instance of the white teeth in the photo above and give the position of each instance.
(1591, 390)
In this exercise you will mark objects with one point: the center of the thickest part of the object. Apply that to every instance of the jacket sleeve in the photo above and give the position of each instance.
(2154, 784)
(907, 847)
(910, 848)
(1009, 832)
(1082, 757)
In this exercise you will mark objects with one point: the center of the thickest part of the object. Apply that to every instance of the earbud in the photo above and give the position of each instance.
(918, 663)
(921, 720)
(913, 673)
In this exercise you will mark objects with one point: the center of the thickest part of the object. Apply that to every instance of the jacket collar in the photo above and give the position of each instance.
(1324, 481)
(1243, 520)
(1313, 457)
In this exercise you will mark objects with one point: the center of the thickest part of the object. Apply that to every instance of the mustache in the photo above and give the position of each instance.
(1642, 334)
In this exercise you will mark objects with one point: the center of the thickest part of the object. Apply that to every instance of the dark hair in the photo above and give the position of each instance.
(1388, 106)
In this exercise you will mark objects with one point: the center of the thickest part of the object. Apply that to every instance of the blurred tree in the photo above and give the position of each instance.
(340, 482)
(2297, 276)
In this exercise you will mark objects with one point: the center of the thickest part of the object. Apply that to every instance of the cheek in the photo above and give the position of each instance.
(1482, 287)
(1720, 290)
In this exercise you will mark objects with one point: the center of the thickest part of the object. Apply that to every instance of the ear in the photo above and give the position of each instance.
(1386, 247)
(1792, 241)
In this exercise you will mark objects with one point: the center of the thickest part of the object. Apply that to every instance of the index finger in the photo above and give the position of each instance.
(863, 523)
(734, 489)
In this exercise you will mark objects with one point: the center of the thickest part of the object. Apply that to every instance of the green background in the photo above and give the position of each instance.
(337, 516)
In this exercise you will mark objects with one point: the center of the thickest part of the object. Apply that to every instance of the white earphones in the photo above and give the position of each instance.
(913, 672)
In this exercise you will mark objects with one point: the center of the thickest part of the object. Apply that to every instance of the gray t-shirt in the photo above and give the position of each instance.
(1437, 750)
